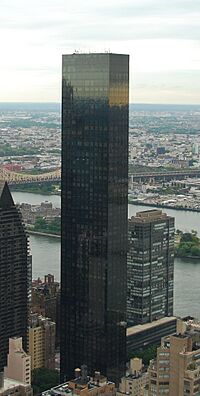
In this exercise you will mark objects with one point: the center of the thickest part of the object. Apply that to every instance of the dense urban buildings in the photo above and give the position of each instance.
(45, 210)
(94, 213)
(41, 342)
(135, 381)
(176, 370)
(30, 137)
(15, 273)
(150, 267)
(84, 385)
(46, 300)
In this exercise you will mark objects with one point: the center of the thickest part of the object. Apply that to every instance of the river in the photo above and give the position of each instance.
(46, 254)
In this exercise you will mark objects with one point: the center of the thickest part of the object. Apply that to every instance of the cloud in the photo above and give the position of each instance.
(161, 36)
(175, 87)
(111, 20)
(144, 8)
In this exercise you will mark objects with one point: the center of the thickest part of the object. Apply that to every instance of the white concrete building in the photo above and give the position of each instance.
(18, 363)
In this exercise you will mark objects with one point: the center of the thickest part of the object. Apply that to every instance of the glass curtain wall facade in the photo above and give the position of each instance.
(150, 267)
(15, 275)
(95, 99)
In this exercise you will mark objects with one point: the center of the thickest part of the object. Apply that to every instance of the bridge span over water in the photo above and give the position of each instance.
(163, 176)
(14, 178)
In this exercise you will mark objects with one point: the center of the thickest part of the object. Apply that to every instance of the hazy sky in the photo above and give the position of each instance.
(162, 37)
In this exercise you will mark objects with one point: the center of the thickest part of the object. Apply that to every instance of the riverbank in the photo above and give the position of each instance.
(46, 254)
(37, 192)
(139, 203)
(34, 188)
(185, 258)
(31, 232)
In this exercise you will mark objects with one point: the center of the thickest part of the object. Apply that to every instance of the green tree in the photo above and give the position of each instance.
(43, 379)
(54, 226)
(146, 354)
(184, 249)
(6, 149)
(40, 224)
(186, 237)
(194, 232)
(189, 245)
(189, 237)
(195, 251)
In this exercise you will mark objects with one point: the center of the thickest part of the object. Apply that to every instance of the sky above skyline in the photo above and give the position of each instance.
(162, 38)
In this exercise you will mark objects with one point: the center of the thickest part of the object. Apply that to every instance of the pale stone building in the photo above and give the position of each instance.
(135, 381)
(18, 362)
(176, 370)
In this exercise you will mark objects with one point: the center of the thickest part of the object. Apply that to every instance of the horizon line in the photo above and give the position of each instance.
(131, 103)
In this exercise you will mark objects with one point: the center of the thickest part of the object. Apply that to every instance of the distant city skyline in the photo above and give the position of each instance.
(162, 37)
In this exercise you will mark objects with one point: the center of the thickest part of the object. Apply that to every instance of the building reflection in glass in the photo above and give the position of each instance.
(94, 213)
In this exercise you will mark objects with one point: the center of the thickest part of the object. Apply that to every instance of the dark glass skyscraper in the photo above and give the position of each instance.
(94, 212)
(150, 267)
(14, 274)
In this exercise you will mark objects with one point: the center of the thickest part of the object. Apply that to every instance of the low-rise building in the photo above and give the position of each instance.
(145, 335)
(15, 388)
(30, 213)
(83, 385)
(135, 381)
(18, 362)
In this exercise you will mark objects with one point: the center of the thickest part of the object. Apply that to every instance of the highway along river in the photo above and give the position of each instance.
(46, 254)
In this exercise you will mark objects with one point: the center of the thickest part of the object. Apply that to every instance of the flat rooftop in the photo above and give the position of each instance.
(10, 383)
(66, 389)
(148, 216)
(144, 327)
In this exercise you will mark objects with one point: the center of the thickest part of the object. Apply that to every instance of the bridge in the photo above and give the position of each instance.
(14, 178)
(163, 176)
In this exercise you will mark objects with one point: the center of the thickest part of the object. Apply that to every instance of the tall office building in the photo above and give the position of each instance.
(41, 342)
(14, 274)
(150, 267)
(94, 213)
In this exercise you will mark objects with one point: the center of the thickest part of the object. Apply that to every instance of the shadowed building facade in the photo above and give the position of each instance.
(94, 213)
(15, 272)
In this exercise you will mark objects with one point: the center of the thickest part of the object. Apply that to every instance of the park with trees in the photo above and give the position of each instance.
(187, 244)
